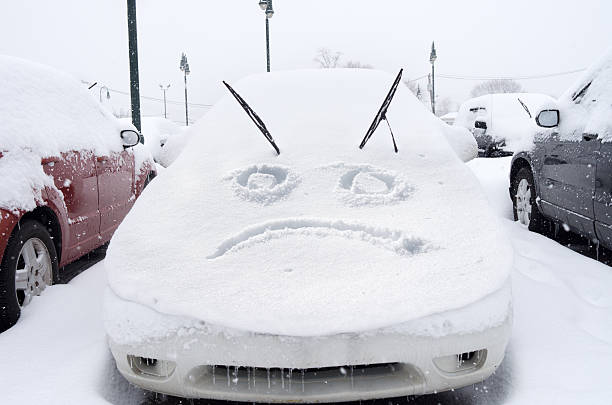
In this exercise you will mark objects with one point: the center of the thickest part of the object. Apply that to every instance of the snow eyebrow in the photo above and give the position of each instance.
(382, 114)
(254, 117)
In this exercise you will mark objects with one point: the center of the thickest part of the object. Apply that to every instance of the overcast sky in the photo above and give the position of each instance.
(225, 40)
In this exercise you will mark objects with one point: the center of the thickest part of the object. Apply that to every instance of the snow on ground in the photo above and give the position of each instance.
(560, 350)
(57, 351)
(561, 346)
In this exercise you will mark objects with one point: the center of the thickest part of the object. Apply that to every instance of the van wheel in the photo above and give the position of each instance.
(524, 202)
(27, 268)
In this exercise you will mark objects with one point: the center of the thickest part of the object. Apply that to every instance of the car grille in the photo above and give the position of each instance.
(285, 381)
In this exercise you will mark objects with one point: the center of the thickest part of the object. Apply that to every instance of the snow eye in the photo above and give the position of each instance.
(368, 185)
(264, 184)
(364, 182)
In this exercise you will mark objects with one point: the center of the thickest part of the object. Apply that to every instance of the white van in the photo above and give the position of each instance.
(501, 123)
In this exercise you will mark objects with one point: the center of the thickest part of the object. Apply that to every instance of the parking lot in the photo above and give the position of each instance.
(295, 202)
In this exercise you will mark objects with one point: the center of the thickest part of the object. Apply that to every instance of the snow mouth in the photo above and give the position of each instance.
(393, 240)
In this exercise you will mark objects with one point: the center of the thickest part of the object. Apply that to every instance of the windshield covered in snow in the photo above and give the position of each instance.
(586, 107)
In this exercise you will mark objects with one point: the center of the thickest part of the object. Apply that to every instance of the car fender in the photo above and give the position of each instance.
(55, 201)
(8, 220)
(146, 172)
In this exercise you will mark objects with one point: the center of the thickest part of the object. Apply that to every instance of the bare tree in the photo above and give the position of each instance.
(357, 65)
(416, 89)
(496, 86)
(328, 59)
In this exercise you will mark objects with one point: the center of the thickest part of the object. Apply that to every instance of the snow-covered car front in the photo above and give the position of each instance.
(324, 273)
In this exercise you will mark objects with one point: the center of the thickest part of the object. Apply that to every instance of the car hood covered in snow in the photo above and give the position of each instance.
(322, 239)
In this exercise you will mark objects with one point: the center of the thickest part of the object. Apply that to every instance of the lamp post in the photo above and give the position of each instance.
(133, 52)
(432, 60)
(164, 88)
(266, 6)
(107, 93)
(185, 69)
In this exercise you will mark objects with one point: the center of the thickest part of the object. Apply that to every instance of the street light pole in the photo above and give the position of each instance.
(133, 52)
(268, 44)
(266, 6)
(185, 69)
(164, 88)
(432, 59)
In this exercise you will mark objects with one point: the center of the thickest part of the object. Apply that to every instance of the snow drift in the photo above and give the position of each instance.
(324, 238)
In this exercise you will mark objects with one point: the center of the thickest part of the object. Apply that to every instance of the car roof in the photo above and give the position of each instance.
(49, 112)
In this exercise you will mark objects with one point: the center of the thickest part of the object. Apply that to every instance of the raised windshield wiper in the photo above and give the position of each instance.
(525, 107)
(577, 97)
(382, 114)
(253, 115)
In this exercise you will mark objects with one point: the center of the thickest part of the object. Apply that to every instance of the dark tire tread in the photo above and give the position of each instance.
(10, 310)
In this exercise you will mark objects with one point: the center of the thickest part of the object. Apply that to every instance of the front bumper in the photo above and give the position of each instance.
(267, 368)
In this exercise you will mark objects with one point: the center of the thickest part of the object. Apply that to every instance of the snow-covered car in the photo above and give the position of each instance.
(174, 146)
(461, 141)
(449, 118)
(324, 273)
(564, 177)
(69, 173)
(157, 133)
(501, 123)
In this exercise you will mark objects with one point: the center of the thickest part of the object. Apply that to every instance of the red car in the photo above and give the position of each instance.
(68, 177)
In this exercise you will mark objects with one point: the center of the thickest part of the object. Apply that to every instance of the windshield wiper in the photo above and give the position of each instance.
(382, 114)
(525, 107)
(253, 115)
(577, 97)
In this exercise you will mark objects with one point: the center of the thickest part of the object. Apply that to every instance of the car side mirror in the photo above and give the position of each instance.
(129, 138)
(548, 118)
(480, 125)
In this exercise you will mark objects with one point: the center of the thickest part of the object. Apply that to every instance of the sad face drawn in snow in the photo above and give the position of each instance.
(356, 186)
(306, 242)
